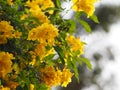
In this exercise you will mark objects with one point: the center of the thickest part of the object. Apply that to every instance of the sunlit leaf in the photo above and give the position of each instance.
(94, 18)
(87, 62)
(85, 25)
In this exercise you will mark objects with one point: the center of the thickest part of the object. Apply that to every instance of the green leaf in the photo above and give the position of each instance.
(87, 62)
(72, 26)
(0, 82)
(78, 60)
(19, 88)
(58, 3)
(76, 70)
(78, 14)
(60, 53)
(42, 87)
(51, 8)
(86, 26)
(72, 65)
(94, 18)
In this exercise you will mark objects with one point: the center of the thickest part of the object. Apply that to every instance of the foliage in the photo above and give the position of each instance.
(37, 46)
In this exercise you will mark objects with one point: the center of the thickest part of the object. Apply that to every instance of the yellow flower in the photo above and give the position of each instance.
(33, 34)
(53, 77)
(4, 88)
(45, 33)
(5, 62)
(31, 87)
(11, 84)
(5, 26)
(75, 44)
(23, 17)
(33, 56)
(37, 7)
(66, 77)
(36, 12)
(46, 4)
(17, 34)
(42, 4)
(41, 51)
(3, 39)
(84, 5)
(50, 76)
(7, 31)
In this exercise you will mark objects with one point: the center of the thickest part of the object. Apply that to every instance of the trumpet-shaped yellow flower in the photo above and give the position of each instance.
(36, 12)
(50, 76)
(53, 77)
(66, 77)
(5, 63)
(42, 4)
(84, 5)
(75, 44)
(45, 33)
(31, 86)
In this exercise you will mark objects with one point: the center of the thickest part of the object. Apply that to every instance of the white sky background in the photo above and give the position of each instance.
(97, 42)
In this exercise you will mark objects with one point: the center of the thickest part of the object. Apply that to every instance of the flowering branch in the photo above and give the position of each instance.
(37, 47)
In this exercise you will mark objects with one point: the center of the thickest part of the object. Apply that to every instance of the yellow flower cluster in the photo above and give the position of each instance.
(11, 84)
(42, 51)
(45, 33)
(38, 6)
(36, 12)
(53, 77)
(84, 5)
(5, 63)
(7, 31)
(75, 44)
(41, 45)
(43, 4)
(5, 68)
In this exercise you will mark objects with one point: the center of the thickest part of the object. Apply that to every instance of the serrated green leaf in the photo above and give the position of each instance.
(87, 62)
(94, 18)
(86, 26)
